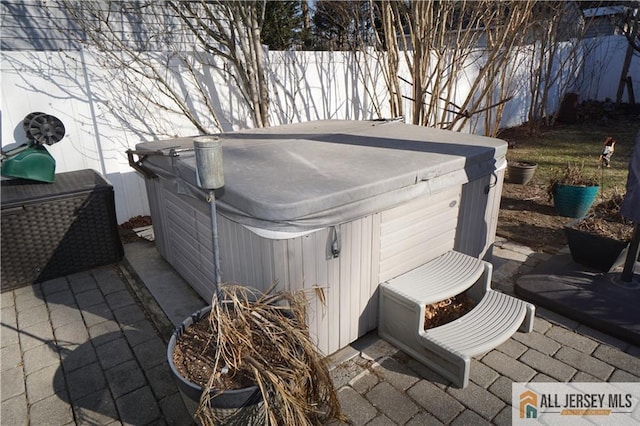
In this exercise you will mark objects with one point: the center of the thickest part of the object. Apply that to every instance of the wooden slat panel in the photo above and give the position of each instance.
(374, 281)
(366, 244)
(345, 302)
(413, 210)
(478, 217)
(333, 302)
(309, 279)
(416, 232)
(431, 249)
(355, 279)
(349, 281)
(322, 266)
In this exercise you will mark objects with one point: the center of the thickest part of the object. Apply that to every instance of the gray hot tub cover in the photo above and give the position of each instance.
(305, 176)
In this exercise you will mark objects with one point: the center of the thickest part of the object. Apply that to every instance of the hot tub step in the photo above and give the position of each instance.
(448, 349)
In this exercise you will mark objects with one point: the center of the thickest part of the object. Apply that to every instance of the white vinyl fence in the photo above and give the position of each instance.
(104, 117)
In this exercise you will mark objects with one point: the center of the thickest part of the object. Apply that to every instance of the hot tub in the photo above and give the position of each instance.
(342, 205)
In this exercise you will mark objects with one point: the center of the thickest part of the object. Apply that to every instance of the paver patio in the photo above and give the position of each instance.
(84, 349)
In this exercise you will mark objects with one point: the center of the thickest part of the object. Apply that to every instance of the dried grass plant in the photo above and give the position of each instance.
(605, 219)
(264, 335)
(572, 174)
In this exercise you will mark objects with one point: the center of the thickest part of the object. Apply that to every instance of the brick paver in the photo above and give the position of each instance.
(585, 363)
(513, 348)
(573, 340)
(503, 418)
(10, 356)
(71, 360)
(508, 366)
(482, 375)
(548, 365)
(90, 355)
(355, 406)
(12, 383)
(35, 335)
(44, 383)
(52, 411)
(437, 402)
(15, 411)
(395, 404)
(397, 374)
(618, 359)
(480, 400)
(468, 417)
(40, 357)
(538, 342)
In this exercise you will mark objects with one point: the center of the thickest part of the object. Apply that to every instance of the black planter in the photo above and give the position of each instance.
(595, 251)
(230, 399)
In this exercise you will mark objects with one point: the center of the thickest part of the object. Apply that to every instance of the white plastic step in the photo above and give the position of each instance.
(448, 348)
(441, 278)
(492, 322)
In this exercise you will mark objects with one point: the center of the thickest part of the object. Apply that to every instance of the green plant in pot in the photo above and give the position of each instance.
(598, 239)
(249, 359)
(573, 190)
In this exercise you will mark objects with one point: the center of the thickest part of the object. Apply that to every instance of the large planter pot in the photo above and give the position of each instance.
(574, 201)
(520, 172)
(592, 250)
(225, 404)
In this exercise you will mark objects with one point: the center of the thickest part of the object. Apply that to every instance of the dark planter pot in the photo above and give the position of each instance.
(592, 250)
(574, 201)
(520, 172)
(228, 400)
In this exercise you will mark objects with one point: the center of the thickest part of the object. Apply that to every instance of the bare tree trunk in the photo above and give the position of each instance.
(194, 36)
(623, 73)
(440, 43)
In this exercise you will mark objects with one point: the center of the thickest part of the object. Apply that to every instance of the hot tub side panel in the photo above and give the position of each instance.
(347, 282)
(374, 249)
(416, 232)
(155, 195)
(478, 219)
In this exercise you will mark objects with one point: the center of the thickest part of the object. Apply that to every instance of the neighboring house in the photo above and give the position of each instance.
(45, 25)
(603, 21)
(26, 25)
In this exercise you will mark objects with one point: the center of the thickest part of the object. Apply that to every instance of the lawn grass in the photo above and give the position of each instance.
(580, 144)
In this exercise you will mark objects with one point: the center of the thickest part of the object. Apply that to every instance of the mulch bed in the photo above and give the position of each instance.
(126, 229)
(605, 220)
(443, 312)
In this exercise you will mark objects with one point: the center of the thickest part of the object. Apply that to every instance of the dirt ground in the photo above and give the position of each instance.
(527, 216)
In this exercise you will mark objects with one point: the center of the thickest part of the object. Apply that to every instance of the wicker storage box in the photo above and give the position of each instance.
(55, 229)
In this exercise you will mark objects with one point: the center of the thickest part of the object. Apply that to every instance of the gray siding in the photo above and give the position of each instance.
(35, 25)
(46, 25)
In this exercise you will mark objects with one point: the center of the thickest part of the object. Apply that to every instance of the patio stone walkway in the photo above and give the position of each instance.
(89, 349)
(80, 350)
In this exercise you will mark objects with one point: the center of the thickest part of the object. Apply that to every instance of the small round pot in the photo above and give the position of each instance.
(520, 172)
(230, 399)
(574, 200)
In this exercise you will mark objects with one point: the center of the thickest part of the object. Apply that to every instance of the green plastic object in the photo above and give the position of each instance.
(34, 163)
